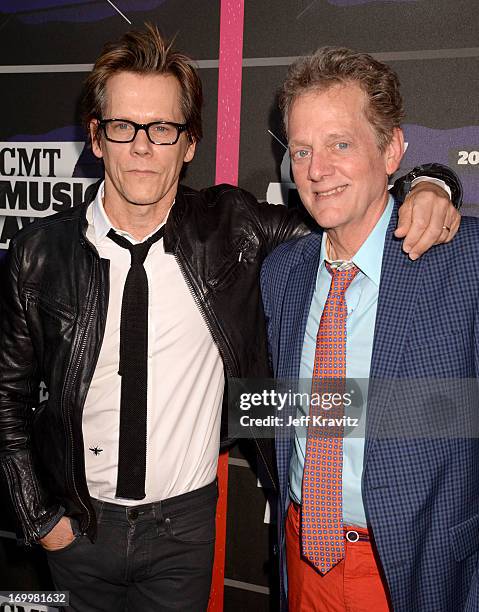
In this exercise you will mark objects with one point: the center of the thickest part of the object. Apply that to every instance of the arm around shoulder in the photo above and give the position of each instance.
(277, 223)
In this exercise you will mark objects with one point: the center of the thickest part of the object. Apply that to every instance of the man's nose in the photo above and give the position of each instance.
(141, 143)
(320, 165)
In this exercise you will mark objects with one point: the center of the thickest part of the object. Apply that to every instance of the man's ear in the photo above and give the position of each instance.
(190, 151)
(94, 129)
(394, 151)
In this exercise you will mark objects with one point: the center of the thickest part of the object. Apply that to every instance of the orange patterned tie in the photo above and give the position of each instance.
(322, 539)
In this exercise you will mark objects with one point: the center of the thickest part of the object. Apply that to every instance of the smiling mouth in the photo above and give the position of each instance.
(331, 192)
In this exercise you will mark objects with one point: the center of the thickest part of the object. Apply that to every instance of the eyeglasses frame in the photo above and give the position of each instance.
(180, 128)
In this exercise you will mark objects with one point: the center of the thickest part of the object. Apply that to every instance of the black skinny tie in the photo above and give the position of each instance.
(133, 370)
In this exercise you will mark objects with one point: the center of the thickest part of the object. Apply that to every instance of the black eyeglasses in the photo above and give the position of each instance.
(158, 132)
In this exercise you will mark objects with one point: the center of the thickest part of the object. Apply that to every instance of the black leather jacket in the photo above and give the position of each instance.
(53, 319)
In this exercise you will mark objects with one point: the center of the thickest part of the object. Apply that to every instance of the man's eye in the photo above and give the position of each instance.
(300, 154)
(161, 128)
(122, 126)
(342, 146)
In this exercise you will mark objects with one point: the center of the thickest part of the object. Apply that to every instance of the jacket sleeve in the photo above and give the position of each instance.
(276, 224)
(19, 394)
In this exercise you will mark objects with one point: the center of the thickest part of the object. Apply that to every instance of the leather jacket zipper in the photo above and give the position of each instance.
(223, 274)
(71, 379)
(32, 298)
(226, 353)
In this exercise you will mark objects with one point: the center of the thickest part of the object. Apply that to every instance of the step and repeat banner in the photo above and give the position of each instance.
(47, 49)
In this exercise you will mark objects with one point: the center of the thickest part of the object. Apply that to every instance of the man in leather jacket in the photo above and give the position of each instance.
(60, 324)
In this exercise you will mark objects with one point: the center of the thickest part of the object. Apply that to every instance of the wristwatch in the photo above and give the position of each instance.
(403, 184)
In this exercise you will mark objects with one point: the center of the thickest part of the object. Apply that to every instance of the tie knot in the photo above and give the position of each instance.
(138, 251)
(341, 277)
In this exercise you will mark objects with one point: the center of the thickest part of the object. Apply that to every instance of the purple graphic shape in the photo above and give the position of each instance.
(29, 12)
(87, 166)
(68, 133)
(443, 146)
(356, 2)
(22, 6)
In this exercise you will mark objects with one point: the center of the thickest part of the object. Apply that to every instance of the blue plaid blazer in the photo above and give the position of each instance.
(421, 493)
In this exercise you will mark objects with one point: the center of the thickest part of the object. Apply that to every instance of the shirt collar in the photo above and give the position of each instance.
(102, 224)
(370, 255)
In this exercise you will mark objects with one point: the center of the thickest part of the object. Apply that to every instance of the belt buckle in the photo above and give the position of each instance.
(352, 536)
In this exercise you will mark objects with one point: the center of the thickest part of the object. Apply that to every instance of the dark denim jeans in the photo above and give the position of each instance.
(151, 557)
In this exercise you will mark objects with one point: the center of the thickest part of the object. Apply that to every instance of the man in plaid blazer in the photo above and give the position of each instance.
(410, 485)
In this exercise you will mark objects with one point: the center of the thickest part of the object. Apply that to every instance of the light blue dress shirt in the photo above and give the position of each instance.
(361, 300)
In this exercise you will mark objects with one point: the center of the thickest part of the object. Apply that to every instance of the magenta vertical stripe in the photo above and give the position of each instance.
(229, 91)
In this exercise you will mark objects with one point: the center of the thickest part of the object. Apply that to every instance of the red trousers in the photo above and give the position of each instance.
(355, 584)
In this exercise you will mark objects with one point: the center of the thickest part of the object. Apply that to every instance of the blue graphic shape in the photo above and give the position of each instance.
(444, 146)
(44, 11)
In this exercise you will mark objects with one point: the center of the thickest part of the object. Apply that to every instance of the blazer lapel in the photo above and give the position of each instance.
(398, 293)
(297, 300)
(294, 315)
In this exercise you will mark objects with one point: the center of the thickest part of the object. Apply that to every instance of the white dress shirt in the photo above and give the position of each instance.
(185, 379)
